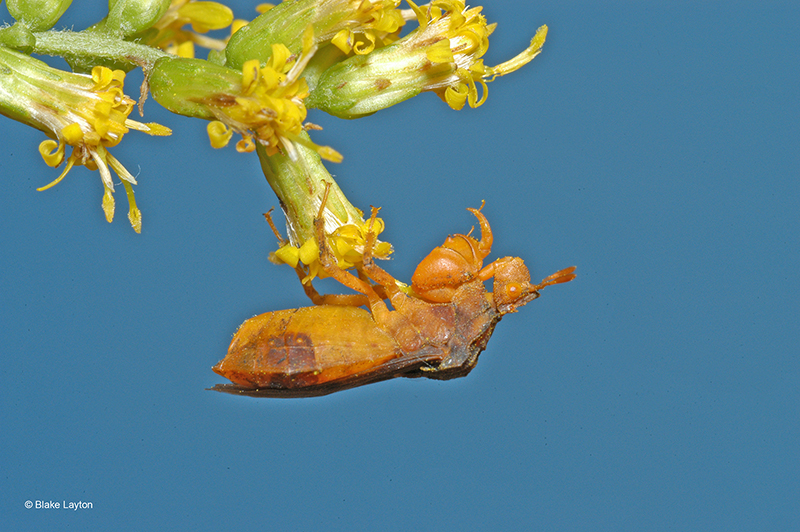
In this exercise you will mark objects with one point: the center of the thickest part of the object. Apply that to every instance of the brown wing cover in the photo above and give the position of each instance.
(309, 346)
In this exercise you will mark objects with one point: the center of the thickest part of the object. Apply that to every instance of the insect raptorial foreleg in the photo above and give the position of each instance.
(375, 272)
(344, 300)
(330, 265)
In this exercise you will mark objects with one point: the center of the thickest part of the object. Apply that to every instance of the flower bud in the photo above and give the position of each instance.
(357, 26)
(187, 86)
(284, 24)
(37, 15)
(126, 17)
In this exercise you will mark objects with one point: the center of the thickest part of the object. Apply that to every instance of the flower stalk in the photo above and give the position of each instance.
(92, 48)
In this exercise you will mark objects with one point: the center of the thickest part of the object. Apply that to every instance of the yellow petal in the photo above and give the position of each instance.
(184, 49)
(309, 251)
(73, 134)
(288, 254)
(456, 96)
(59, 178)
(218, 134)
(440, 52)
(342, 41)
(108, 205)
(251, 73)
(205, 16)
(52, 152)
(246, 145)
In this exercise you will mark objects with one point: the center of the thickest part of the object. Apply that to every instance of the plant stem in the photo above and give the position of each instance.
(80, 45)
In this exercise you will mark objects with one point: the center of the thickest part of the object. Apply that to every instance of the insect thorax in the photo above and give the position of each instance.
(475, 321)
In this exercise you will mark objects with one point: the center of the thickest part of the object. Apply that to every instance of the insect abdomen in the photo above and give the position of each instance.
(307, 346)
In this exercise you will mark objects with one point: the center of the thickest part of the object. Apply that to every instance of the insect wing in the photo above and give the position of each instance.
(311, 351)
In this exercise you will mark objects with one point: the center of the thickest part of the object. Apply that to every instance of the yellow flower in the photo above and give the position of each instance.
(303, 186)
(203, 17)
(364, 23)
(91, 116)
(443, 55)
(357, 26)
(462, 38)
(347, 240)
(269, 109)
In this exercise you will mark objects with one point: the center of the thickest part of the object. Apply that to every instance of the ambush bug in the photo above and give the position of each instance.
(437, 330)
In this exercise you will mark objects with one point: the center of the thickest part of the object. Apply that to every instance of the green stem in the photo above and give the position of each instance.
(82, 45)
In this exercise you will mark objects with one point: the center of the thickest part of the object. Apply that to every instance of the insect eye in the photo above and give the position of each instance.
(514, 290)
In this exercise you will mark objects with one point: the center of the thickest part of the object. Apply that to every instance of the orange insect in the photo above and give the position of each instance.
(438, 332)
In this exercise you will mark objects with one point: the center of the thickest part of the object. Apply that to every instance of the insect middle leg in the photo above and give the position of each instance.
(414, 322)
(342, 300)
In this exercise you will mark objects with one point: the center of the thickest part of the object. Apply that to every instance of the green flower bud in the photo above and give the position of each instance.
(126, 17)
(38, 15)
(189, 86)
(364, 84)
(284, 23)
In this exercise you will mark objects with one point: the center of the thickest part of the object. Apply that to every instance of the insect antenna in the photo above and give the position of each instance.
(561, 276)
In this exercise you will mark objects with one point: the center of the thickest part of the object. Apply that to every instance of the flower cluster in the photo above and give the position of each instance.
(344, 57)
(461, 38)
(359, 26)
(347, 241)
(269, 106)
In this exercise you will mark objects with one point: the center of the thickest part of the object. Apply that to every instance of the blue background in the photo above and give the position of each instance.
(656, 147)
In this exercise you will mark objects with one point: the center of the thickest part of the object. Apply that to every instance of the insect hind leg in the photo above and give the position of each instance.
(342, 300)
